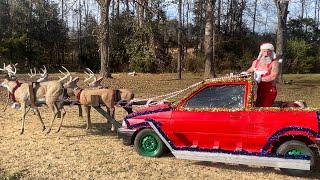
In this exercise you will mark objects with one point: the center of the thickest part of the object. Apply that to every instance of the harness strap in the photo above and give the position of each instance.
(11, 94)
(79, 93)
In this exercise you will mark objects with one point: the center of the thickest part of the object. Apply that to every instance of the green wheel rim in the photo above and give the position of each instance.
(149, 145)
(296, 152)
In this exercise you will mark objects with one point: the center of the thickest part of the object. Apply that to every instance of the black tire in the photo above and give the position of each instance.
(147, 143)
(291, 146)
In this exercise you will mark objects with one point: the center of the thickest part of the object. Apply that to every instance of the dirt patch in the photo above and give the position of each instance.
(75, 153)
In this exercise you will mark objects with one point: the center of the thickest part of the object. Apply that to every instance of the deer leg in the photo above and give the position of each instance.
(23, 105)
(80, 111)
(87, 109)
(111, 112)
(55, 112)
(7, 103)
(39, 116)
(63, 113)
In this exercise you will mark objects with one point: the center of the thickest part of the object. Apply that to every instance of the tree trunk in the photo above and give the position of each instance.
(113, 8)
(254, 16)
(219, 16)
(282, 13)
(209, 40)
(302, 8)
(117, 8)
(104, 39)
(63, 43)
(318, 17)
(80, 63)
(315, 10)
(140, 12)
(180, 55)
(127, 6)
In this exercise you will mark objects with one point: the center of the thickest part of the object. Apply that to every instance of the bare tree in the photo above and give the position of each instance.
(104, 38)
(219, 15)
(117, 7)
(127, 6)
(140, 11)
(254, 16)
(180, 55)
(282, 13)
(303, 3)
(209, 40)
(315, 10)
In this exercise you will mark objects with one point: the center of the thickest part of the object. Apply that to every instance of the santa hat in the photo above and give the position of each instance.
(268, 46)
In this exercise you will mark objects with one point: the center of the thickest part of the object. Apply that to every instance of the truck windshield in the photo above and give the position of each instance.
(226, 96)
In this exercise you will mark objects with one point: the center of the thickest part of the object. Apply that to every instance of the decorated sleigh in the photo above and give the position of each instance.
(218, 122)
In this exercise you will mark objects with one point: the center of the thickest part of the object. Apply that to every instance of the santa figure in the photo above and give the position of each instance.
(266, 70)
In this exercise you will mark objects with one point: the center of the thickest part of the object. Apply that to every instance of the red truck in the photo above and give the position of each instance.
(218, 122)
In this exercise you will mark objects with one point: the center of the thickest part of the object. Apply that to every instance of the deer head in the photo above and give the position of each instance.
(71, 83)
(96, 83)
(89, 74)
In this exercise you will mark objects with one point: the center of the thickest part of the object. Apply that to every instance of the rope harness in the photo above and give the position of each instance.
(165, 97)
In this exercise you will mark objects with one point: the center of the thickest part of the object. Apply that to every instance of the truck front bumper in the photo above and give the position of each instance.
(126, 135)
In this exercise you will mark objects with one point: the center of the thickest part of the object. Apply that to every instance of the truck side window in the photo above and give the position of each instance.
(226, 96)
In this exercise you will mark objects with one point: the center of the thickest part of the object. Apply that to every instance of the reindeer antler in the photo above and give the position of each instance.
(66, 75)
(10, 68)
(44, 72)
(32, 74)
(90, 75)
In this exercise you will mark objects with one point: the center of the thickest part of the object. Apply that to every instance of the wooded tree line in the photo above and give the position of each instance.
(211, 36)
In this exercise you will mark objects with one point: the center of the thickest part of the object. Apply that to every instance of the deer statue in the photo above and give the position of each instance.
(49, 93)
(84, 96)
(122, 96)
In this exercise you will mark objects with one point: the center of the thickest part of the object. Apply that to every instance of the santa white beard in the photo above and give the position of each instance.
(266, 59)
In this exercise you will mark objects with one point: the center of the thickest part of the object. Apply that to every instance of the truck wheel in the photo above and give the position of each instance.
(148, 143)
(294, 147)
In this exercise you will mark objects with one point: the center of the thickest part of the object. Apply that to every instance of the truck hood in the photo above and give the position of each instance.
(137, 119)
(153, 107)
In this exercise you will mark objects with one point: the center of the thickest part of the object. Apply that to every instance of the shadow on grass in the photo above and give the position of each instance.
(102, 129)
(12, 175)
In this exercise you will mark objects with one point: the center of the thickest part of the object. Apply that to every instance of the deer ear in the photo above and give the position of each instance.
(99, 79)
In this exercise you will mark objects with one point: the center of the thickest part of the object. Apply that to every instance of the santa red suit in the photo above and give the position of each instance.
(265, 69)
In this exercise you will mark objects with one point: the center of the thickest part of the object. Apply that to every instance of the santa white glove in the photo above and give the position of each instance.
(244, 73)
(257, 75)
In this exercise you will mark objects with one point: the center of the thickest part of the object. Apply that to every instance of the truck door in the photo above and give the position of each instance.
(213, 118)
